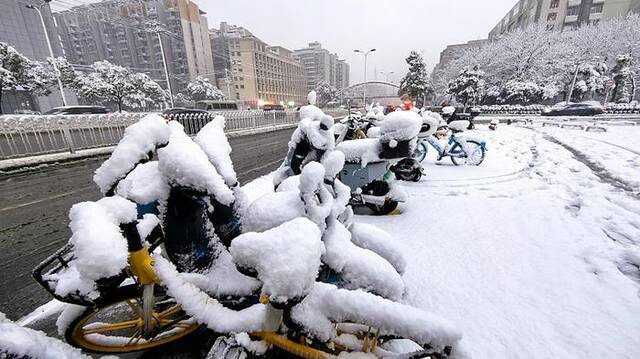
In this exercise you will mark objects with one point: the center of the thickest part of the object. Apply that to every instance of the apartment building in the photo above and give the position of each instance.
(118, 31)
(21, 28)
(342, 74)
(561, 14)
(263, 74)
(219, 39)
(320, 65)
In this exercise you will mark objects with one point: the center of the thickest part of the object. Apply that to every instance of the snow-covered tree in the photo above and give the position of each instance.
(591, 80)
(519, 92)
(200, 88)
(416, 83)
(326, 93)
(109, 83)
(468, 87)
(622, 76)
(14, 69)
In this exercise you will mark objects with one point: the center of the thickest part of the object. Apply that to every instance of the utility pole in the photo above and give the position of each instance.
(573, 83)
(364, 91)
(387, 74)
(166, 71)
(53, 58)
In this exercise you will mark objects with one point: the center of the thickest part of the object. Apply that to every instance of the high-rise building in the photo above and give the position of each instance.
(342, 74)
(21, 28)
(118, 31)
(320, 65)
(220, 52)
(561, 14)
(453, 51)
(264, 74)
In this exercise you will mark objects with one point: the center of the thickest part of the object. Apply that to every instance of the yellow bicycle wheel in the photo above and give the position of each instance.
(116, 325)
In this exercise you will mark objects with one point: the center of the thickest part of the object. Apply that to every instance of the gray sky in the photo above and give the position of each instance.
(393, 27)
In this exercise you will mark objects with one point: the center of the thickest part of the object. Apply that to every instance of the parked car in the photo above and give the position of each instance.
(272, 107)
(26, 112)
(589, 108)
(77, 110)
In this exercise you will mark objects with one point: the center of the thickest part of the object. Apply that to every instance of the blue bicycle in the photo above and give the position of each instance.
(461, 150)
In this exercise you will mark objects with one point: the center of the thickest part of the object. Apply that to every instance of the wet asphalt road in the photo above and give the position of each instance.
(34, 212)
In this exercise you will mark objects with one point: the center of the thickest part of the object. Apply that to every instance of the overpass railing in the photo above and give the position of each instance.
(29, 135)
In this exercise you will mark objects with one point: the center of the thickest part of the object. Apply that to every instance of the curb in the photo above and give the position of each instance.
(33, 163)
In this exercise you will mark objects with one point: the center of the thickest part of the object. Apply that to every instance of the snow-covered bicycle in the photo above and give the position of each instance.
(461, 149)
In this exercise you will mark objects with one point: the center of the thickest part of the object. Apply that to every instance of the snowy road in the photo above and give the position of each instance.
(536, 252)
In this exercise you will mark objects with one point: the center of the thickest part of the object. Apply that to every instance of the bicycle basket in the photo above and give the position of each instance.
(45, 274)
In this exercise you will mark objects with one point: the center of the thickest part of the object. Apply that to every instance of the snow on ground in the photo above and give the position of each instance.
(523, 252)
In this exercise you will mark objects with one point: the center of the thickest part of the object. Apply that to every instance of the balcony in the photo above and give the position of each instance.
(573, 3)
(570, 18)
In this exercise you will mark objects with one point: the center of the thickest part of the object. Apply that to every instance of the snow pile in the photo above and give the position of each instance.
(223, 278)
(327, 304)
(138, 141)
(205, 309)
(147, 224)
(361, 151)
(359, 267)
(145, 184)
(375, 239)
(318, 202)
(21, 342)
(400, 126)
(185, 164)
(286, 258)
(272, 210)
(311, 111)
(333, 163)
(310, 130)
(99, 249)
(213, 141)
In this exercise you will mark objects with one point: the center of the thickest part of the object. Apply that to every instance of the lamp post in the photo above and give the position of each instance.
(157, 28)
(364, 91)
(387, 74)
(53, 59)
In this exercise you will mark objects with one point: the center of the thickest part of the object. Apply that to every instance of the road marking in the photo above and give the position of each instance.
(44, 199)
(261, 167)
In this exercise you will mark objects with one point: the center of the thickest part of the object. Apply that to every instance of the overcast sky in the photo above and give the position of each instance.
(392, 27)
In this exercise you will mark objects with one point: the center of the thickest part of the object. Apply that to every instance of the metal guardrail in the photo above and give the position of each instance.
(29, 135)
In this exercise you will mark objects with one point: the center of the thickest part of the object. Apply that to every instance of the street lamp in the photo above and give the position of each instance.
(387, 74)
(157, 28)
(364, 91)
(53, 59)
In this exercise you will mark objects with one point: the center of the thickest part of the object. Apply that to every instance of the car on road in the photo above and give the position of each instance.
(588, 108)
(77, 110)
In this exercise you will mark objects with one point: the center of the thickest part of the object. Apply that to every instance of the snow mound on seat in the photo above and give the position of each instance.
(213, 141)
(138, 140)
(272, 210)
(286, 258)
(327, 304)
(361, 151)
(400, 126)
(309, 129)
(205, 309)
(223, 278)
(145, 184)
(29, 343)
(360, 268)
(185, 164)
(375, 239)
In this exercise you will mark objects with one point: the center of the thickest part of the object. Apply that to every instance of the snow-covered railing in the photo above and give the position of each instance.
(28, 135)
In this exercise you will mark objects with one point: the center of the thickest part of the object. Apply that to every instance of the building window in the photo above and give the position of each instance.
(552, 16)
(596, 9)
(241, 86)
(572, 11)
(554, 4)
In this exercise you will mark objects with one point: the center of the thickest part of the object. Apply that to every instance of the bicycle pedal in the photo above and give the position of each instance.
(226, 348)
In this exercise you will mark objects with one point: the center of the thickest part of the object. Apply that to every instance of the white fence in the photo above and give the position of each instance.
(28, 135)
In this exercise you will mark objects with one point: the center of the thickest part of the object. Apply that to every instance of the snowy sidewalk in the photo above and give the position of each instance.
(519, 252)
